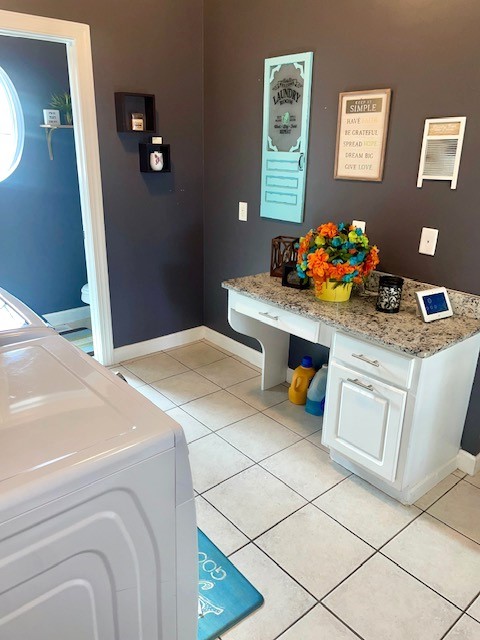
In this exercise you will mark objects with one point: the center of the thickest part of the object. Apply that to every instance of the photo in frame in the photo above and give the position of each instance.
(362, 129)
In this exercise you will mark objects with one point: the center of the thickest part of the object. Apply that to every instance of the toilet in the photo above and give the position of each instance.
(85, 294)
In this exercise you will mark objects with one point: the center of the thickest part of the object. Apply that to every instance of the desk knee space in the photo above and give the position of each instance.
(274, 342)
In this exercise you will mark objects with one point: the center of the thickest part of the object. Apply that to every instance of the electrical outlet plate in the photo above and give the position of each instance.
(428, 241)
(242, 211)
(360, 224)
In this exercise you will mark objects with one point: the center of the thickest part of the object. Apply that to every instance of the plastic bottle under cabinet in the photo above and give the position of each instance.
(302, 375)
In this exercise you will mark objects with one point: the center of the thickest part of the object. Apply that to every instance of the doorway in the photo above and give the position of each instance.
(76, 38)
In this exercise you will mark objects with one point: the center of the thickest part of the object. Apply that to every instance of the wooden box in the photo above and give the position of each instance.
(283, 251)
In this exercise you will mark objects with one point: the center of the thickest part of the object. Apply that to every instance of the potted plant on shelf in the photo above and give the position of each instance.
(336, 257)
(63, 102)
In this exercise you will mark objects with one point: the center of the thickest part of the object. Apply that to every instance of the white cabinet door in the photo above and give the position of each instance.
(363, 420)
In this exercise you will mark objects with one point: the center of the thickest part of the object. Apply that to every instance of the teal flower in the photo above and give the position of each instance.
(361, 256)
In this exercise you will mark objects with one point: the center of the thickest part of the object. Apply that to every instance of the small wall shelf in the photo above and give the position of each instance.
(127, 103)
(145, 149)
(49, 129)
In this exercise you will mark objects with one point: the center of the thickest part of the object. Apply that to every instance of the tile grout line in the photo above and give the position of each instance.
(470, 604)
(189, 369)
(451, 627)
(471, 617)
(453, 528)
(219, 428)
(340, 620)
(321, 600)
(375, 552)
(286, 572)
(295, 621)
(421, 582)
(249, 540)
(301, 438)
(181, 405)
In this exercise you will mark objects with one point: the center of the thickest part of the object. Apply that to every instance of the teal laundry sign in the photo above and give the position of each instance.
(286, 113)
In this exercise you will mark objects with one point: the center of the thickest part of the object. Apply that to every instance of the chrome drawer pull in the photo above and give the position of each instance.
(268, 315)
(360, 356)
(361, 384)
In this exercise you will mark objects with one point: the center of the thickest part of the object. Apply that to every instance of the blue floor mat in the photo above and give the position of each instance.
(225, 596)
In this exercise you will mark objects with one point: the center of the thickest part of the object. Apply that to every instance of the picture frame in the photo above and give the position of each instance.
(362, 130)
(51, 117)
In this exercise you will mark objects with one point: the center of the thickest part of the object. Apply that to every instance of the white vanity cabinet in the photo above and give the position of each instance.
(398, 389)
(397, 420)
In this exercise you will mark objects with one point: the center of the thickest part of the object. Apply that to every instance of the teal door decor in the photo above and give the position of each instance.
(286, 114)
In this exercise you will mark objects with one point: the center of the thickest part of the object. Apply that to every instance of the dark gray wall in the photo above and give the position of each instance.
(42, 257)
(426, 54)
(154, 223)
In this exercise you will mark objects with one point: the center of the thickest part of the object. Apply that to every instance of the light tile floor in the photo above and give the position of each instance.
(335, 558)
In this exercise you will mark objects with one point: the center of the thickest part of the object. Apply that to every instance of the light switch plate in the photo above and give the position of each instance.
(428, 241)
(242, 211)
(360, 224)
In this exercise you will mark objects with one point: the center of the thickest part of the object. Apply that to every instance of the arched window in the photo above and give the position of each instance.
(12, 129)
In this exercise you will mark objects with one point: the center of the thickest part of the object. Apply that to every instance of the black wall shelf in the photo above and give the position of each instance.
(127, 103)
(145, 149)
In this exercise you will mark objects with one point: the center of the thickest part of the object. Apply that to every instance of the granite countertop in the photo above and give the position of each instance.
(404, 331)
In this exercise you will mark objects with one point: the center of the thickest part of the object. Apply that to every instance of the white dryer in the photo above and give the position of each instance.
(97, 517)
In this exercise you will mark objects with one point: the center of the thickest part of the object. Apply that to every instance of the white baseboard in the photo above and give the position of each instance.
(139, 349)
(236, 348)
(69, 315)
(468, 463)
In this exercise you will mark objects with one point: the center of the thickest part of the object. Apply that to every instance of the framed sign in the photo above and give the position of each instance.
(441, 150)
(362, 134)
(286, 112)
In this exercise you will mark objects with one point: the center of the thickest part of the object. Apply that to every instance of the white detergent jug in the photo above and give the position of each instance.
(316, 392)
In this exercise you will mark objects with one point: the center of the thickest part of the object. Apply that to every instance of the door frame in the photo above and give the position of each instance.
(76, 37)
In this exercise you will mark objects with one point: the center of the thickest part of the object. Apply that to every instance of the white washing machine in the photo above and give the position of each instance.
(18, 322)
(97, 518)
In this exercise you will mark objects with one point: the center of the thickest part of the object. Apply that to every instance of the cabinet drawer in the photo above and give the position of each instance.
(374, 360)
(275, 317)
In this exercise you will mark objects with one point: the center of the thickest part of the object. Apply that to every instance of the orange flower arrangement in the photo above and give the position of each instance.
(340, 253)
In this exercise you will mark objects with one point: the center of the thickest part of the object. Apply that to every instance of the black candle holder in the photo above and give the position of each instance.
(389, 294)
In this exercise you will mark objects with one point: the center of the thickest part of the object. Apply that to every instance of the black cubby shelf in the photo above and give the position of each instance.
(145, 149)
(127, 103)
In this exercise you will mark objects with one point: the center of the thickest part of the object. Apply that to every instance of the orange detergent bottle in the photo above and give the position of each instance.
(302, 375)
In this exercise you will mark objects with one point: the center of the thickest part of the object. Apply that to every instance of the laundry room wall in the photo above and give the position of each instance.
(154, 222)
(425, 52)
(42, 258)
